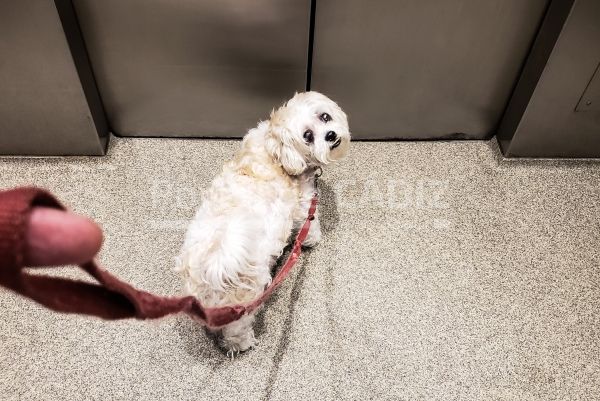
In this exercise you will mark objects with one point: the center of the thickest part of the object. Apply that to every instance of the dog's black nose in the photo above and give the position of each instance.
(330, 136)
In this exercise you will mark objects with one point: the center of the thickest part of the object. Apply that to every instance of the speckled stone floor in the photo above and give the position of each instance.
(445, 273)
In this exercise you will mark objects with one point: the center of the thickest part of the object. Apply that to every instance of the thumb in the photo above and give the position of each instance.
(55, 237)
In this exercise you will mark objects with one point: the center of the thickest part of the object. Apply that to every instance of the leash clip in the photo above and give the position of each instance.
(318, 173)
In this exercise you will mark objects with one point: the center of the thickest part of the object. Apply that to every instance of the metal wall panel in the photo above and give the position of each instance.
(590, 101)
(194, 67)
(45, 86)
(422, 68)
(552, 112)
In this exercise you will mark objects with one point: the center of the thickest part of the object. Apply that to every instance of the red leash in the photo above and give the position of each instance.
(113, 298)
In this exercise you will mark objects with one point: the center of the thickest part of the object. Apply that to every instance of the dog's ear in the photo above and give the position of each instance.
(280, 145)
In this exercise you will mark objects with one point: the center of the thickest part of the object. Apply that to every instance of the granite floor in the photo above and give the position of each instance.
(445, 273)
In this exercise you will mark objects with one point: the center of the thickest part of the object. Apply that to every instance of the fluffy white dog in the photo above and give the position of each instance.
(253, 206)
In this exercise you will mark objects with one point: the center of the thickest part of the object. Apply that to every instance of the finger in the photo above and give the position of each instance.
(55, 237)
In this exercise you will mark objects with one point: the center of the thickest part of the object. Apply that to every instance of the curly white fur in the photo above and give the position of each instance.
(252, 207)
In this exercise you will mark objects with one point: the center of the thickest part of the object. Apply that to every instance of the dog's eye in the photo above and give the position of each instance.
(325, 117)
(309, 137)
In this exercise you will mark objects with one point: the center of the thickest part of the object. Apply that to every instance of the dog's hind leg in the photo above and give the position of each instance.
(238, 336)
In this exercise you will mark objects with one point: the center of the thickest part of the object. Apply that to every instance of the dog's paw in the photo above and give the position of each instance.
(236, 344)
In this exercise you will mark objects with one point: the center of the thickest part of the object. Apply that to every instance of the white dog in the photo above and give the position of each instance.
(253, 206)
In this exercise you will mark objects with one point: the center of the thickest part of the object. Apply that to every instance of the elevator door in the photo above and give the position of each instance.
(422, 69)
(194, 67)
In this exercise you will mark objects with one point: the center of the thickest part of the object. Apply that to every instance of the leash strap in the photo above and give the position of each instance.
(111, 298)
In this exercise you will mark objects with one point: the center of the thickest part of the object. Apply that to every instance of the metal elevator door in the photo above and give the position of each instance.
(422, 69)
(194, 67)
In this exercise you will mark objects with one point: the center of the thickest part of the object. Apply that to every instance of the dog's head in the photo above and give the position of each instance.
(310, 130)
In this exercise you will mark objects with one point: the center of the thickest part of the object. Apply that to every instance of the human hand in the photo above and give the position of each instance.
(56, 237)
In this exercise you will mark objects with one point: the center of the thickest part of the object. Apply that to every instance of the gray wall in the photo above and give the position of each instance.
(555, 110)
(44, 108)
(409, 69)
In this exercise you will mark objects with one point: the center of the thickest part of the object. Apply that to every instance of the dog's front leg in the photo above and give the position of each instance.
(308, 189)
(238, 336)
(314, 233)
